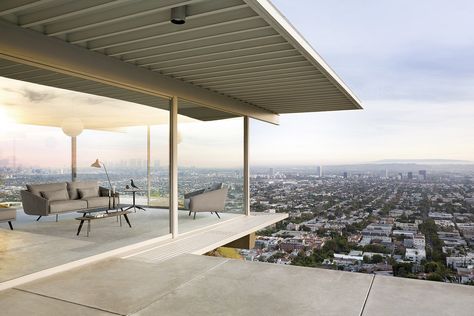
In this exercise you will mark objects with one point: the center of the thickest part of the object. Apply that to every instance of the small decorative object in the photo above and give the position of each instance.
(127, 187)
(133, 184)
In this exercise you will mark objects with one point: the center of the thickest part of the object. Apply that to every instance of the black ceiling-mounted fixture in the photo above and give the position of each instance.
(178, 15)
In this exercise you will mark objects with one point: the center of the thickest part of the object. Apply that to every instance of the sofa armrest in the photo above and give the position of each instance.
(194, 193)
(33, 204)
(212, 201)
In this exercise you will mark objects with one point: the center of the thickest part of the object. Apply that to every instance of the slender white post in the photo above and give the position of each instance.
(246, 167)
(148, 166)
(73, 158)
(173, 172)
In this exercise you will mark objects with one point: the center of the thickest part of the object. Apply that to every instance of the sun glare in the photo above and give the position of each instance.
(7, 123)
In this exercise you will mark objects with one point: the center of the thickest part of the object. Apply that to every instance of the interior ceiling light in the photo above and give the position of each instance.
(178, 15)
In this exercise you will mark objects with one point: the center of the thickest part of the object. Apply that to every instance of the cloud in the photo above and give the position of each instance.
(35, 96)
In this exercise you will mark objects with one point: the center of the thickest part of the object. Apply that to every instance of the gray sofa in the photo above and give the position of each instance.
(56, 198)
(211, 199)
(7, 215)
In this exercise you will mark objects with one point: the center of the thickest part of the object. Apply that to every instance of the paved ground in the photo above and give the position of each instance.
(199, 285)
(35, 246)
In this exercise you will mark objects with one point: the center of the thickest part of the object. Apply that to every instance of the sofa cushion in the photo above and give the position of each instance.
(36, 189)
(66, 206)
(98, 201)
(7, 214)
(87, 193)
(72, 187)
(59, 195)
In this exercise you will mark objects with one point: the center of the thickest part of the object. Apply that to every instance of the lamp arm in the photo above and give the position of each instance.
(107, 174)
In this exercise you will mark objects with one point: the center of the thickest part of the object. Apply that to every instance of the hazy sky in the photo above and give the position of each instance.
(409, 62)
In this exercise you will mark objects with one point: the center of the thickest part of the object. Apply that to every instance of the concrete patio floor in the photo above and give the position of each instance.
(35, 246)
(200, 285)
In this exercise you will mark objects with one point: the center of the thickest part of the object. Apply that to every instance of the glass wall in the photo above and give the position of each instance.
(210, 152)
(159, 165)
(44, 133)
(30, 154)
(123, 153)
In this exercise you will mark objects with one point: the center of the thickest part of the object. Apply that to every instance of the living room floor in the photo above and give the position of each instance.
(34, 246)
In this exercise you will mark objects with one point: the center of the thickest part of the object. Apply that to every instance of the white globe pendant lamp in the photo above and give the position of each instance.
(72, 126)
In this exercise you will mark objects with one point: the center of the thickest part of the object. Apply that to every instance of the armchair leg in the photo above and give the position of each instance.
(56, 217)
(39, 217)
(217, 214)
(189, 213)
(10, 224)
(194, 215)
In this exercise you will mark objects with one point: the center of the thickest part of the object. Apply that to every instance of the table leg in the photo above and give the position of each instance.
(128, 221)
(80, 227)
(88, 227)
(130, 207)
(140, 208)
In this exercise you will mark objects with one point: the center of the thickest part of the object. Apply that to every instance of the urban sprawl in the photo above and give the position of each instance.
(404, 220)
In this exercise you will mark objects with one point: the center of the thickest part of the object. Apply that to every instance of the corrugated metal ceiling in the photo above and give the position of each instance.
(225, 46)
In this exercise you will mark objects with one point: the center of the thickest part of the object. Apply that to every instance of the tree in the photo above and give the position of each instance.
(402, 269)
(376, 248)
(435, 250)
(376, 259)
(430, 267)
(435, 277)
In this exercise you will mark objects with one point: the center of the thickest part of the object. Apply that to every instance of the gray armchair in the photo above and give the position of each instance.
(207, 200)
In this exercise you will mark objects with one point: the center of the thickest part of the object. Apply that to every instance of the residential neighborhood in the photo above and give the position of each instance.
(375, 222)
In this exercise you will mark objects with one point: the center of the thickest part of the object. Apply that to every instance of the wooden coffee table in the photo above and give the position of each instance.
(100, 213)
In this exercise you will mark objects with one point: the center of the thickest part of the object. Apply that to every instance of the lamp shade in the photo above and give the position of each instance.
(72, 126)
(96, 164)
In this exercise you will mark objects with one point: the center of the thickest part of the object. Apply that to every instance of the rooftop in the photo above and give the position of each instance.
(216, 286)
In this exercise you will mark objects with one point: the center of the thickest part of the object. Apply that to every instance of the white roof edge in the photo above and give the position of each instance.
(276, 19)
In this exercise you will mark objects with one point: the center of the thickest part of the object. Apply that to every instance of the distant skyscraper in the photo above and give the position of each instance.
(270, 172)
(386, 173)
(320, 171)
(410, 175)
(344, 175)
(400, 176)
(422, 174)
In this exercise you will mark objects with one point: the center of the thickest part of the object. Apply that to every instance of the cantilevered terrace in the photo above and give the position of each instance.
(232, 58)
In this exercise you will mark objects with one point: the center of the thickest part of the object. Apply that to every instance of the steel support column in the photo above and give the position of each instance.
(246, 167)
(148, 165)
(73, 158)
(173, 172)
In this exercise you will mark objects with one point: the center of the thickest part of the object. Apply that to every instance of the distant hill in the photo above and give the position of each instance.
(424, 161)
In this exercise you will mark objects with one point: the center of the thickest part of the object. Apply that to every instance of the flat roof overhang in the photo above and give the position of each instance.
(239, 57)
